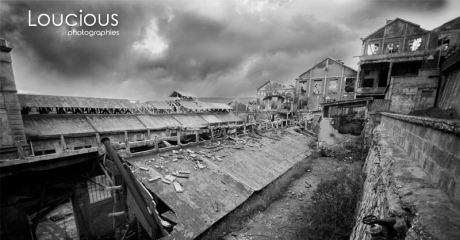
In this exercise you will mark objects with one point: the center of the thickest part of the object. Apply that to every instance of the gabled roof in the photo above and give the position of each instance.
(389, 23)
(269, 82)
(341, 63)
(184, 94)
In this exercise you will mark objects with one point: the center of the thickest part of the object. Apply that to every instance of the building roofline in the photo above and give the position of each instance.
(368, 36)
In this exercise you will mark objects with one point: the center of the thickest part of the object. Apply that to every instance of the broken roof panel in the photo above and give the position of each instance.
(55, 125)
(210, 118)
(217, 189)
(158, 122)
(115, 123)
(191, 105)
(160, 105)
(227, 117)
(30, 100)
(190, 120)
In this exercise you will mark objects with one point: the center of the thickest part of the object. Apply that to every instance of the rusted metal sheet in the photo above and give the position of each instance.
(115, 123)
(158, 122)
(210, 118)
(189, 120)
(214, 191)
(55, 125)
(227, 117)
(29, 100)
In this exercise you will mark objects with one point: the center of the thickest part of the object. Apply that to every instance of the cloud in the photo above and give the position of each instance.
(206, 47)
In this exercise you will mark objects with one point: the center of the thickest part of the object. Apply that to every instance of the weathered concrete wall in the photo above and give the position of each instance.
(12, 128)
(397, 187)
(412, 93)
(435, 148)
(449, 95)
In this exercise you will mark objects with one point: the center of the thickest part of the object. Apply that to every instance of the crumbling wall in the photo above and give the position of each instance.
(434, 143)
(412, 93)
(396, 186)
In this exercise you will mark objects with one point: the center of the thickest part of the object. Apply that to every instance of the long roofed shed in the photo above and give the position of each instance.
(31, 100)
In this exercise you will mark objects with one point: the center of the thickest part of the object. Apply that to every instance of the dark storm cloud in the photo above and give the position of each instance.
(411, 4)
(72, 57)
(220, 48)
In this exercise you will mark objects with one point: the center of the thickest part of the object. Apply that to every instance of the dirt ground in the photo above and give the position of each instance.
(278, 221)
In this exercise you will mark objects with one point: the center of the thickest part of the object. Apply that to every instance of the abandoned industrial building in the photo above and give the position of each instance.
(183, 168)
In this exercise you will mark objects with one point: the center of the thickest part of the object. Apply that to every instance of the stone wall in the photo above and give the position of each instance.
(397, 187)
(434, 143)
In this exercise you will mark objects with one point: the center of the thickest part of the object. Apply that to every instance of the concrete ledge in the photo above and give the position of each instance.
(438, 124)
(397, 187)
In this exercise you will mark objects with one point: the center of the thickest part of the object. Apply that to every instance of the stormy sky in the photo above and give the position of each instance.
(204, 47)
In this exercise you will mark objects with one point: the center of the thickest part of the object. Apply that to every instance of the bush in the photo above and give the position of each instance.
(331, 212)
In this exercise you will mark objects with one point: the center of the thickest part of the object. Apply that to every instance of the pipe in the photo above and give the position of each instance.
(132, 187)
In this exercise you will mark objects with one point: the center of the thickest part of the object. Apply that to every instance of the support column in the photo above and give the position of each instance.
(178, 137)
(389, 77)
(156, 143)
(212, 132)
(128, 150)
(197, 137)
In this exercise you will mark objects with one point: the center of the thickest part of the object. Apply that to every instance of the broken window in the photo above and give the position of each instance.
(317, 85)
(393, 47)
(350, 84)
(373, 48)
(303, 87)
(415, 44)
(368, 82)
(332, 86)
(443, 41)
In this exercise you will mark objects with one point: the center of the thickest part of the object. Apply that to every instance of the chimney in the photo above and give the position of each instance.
(13, 144)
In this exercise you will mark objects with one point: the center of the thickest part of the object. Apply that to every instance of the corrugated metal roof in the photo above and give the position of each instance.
(30, 100)
(55, 125)
(215, 191)
(115, 123)
(227, 117)
(158, 121)
(161, 105)
(210, 118)
(190, 120)
(211, 105)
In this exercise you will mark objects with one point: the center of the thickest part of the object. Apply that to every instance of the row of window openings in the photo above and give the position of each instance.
(413, 45)
(332, 89)
(393, 47)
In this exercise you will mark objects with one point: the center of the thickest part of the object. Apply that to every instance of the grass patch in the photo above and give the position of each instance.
(332, 210)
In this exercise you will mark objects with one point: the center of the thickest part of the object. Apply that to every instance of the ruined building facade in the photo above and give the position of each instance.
(401, 62)
(330, 80)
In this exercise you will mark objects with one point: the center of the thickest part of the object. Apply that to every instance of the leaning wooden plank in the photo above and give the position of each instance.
(178, 187)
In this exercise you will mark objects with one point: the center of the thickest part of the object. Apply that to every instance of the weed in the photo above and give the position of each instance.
(331, 212)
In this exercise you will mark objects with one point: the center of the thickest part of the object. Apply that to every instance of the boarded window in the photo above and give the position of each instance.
(393, 47)
(332, 89)
(350, 84)
(427, 93)
(415, 44)
(317, 85)
(373, 48)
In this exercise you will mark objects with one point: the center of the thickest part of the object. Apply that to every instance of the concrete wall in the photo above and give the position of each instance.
(412, 93)
(449, 97)
(396, 186)
(12, 127)
(436, 150)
